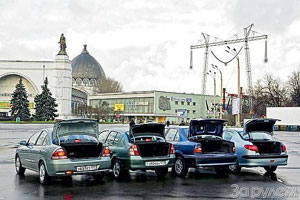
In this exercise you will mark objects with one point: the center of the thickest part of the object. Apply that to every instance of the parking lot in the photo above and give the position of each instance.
(201, 183)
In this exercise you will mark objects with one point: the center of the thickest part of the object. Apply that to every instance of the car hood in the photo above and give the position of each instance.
(260, 125)
(206, 127)
(146, 129)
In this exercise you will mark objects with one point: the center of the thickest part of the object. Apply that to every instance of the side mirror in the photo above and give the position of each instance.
(23, 142)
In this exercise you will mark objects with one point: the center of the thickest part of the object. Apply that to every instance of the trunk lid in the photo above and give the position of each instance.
(206, 127)
(76, 127)
(147, 129)
(260, 125)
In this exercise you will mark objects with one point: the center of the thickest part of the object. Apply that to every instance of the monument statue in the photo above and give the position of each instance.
(62, 44)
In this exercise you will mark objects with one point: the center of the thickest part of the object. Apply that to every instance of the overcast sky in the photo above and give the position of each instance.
(146, 44)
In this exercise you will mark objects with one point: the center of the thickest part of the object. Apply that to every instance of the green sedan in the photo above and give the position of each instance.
(70, 148)
(143, 147)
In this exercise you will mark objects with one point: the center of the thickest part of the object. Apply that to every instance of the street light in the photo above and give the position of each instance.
(217, 68)
(235, 53)
(213, 75)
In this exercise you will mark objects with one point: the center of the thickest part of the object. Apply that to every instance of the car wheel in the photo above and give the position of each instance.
(118, 172)
(44, 178)
(180, 169)
(270, 168)
(221, 171)
(98, 177)
(19, 168)
(162, 172)
(235, 169)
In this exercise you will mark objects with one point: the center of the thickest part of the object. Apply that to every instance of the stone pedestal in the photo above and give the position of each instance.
(62, 85)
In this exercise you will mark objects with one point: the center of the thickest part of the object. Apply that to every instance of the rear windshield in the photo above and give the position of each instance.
(147, 138)
(255, 136)
(79, 139)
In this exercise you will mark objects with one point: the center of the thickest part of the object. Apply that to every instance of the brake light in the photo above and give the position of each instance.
(172, 150)
(133, 151)
(233, 149)
(59, 154)
(106, 152)
(251, 147)
(77, 141)
(197, 149)
(148, 140)
(283, 148)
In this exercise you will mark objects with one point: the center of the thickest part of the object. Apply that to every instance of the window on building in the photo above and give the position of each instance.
(188, 111)
(182, 103)
(175, 111)
(188, 103)
(194, 111)
(176, 102)
(194, 103)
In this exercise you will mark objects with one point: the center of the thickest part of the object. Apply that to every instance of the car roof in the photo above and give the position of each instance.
(235, 129)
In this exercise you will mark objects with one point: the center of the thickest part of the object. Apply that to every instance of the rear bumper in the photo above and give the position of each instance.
(210, 160)
(59, 167)
(263, 160)
(137, 162)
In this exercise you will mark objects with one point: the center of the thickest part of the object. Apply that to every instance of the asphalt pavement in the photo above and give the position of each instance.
(200, 183)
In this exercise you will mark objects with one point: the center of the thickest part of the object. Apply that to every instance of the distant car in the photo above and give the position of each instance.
(255, 145)
(70, 148)
(143, 147)
(201, 145)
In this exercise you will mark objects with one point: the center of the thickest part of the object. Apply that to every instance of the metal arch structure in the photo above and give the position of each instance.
(244, 40)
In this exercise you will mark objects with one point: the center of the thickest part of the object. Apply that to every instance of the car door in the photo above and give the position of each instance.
(38, 148)
(110, 141)
(27, 154)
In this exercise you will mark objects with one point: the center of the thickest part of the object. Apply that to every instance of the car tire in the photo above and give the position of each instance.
(18, 165)
(117, 170)
(221, 170)
(270, 169)
(162, 172)
(180, 169)
(235, 169)
(98, 177)
(44, 178)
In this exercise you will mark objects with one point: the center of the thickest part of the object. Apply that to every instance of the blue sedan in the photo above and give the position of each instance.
(201, 145)
(256, 147)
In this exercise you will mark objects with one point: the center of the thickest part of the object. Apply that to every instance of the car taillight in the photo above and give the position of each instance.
(197, 149)
(172, 150)
(77, 140)
(283, 148)
(133, 151)
(106, 152)
(59, 154)
(233, 149)
(251, 147)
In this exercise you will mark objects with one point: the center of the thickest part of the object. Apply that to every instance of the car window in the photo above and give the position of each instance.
(41, 139)
(118, 139)
(227, 135)
(103, 136)
(176, 137)
(33, 138)
(171, 134)
(110, 139)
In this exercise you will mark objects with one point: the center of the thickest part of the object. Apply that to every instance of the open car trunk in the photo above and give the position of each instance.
(149, 149)
(83, 150)
(268, 147)
(214, 145)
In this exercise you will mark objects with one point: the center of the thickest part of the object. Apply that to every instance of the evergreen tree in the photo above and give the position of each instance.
(45, 105)
(19, 103)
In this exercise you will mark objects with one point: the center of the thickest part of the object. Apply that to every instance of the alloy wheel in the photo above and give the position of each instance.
(116, 169)
(178, 166)
(42, 173)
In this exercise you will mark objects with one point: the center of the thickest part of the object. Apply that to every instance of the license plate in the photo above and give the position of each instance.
(156, 163)
(86, 168)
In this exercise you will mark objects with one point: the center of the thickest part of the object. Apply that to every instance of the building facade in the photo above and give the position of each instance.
(157, 106)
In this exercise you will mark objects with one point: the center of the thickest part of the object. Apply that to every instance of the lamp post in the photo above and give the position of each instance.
(213, 75)
(234, 53)
(221, 89)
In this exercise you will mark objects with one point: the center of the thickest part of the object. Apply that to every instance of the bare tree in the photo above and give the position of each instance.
(102, 110)
(109, 85)
(268, 92)
(294, 86)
